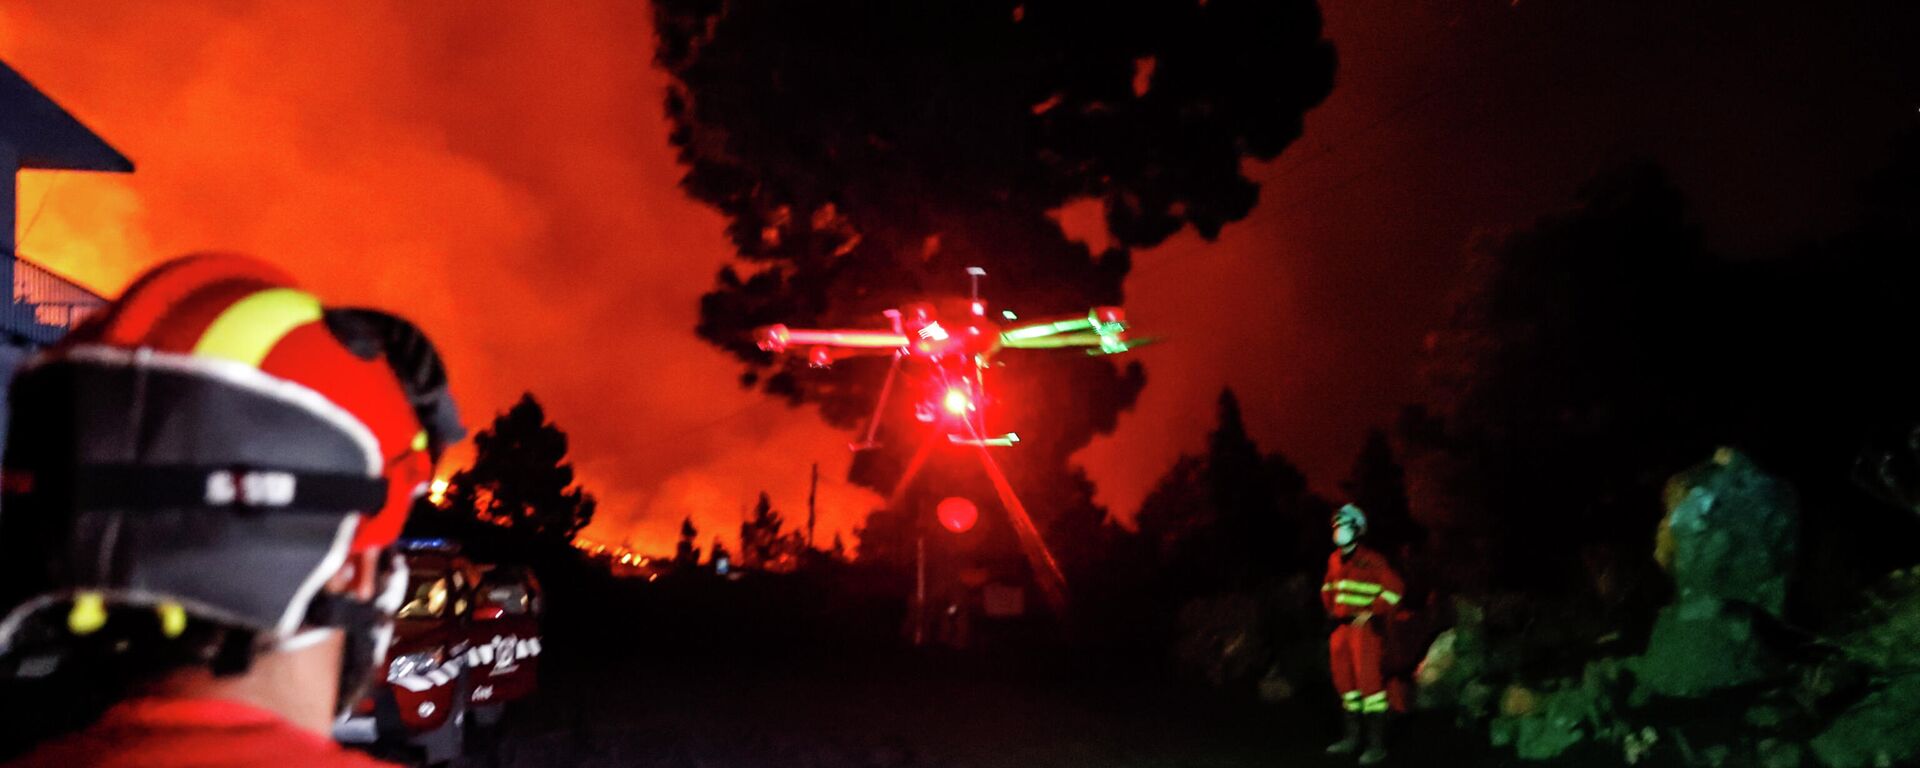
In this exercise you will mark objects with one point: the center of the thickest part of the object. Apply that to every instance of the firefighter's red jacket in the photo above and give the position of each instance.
(203, 733)
(1359, 582)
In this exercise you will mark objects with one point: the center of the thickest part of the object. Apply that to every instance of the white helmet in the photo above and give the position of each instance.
(1352, 516)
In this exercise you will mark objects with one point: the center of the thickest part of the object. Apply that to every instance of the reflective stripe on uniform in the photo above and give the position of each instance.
(1392, 598)
(1362, 587)
(1374, 703)
(1350, 701)
(1347, 599)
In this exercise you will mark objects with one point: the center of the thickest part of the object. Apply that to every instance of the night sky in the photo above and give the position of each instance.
(501, 174)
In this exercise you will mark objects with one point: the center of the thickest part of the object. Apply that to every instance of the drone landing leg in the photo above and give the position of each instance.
(1053, 584)
(879, 407)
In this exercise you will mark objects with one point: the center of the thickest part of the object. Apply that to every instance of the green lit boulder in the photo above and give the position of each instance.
(1730, 533)
(1880, 730)
(1728, 541)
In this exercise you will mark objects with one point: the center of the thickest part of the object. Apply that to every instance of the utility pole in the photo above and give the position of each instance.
(813, 489)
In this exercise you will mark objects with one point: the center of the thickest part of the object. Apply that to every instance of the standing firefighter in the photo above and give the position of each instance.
(204, 483)
(1361, 590)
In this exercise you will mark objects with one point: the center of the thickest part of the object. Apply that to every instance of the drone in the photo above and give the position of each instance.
(952, 359)
(947, 363)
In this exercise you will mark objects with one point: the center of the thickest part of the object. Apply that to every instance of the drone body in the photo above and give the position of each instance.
(947, 362)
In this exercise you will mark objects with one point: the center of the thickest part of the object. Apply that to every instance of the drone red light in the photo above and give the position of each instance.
(957, 402)
(771, 338)
(957, 514)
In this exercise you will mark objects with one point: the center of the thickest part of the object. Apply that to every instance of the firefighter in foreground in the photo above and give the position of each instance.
(1360, 592)
(203, 484)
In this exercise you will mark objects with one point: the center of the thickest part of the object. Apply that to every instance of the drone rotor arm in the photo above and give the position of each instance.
(846, 338)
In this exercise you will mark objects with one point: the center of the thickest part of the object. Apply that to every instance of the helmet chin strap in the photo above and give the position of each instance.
(366, 627)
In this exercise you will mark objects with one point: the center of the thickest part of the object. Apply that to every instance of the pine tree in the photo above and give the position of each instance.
(685, 554)
(1233, 517)
(521, 478)
(760, 541)
(1378, 486)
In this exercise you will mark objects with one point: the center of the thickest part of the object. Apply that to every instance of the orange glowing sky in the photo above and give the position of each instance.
(500, 172)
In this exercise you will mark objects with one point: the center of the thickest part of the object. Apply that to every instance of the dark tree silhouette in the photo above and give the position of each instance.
(765, 544)
(1378, 485)
(1569, 382)
(521, 478)
(1232, 518)
(1596, 353)
(865, 153)
(884, 539)
(760, 534)
(685, 554)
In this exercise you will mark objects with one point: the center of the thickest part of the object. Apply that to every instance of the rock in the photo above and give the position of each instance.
(1886, 629)
(1275, 688)
(1700, 646)
(1826, 688)
(1518, 701)
(1476, 698)
(1543, 725)
(1877, 731)
(1603, 690)
(1558, 725)
(1636, 745)
(1728, 540)
(1765, 716)
(1502, 730)
(1779, 753)
(1455, 659)
(1438, 663)
(1733, 531)
(1220, 640)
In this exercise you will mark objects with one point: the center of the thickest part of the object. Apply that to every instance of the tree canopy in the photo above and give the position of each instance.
(864, 154)
(1233, 517)
(1597, 352)
(521, 478)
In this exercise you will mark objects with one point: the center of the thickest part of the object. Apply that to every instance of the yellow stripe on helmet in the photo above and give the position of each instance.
(249, 329)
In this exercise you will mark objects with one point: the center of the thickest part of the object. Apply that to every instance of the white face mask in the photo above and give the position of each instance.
(1343, 536)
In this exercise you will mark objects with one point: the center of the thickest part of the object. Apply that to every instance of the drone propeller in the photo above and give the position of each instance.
(1102, 329)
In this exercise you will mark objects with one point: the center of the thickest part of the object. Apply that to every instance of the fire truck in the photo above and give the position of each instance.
(466, 644)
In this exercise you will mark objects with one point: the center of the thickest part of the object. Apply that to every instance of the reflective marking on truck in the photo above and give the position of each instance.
(504, 652)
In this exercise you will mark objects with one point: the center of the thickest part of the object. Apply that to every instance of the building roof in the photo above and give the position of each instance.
(46, 137)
